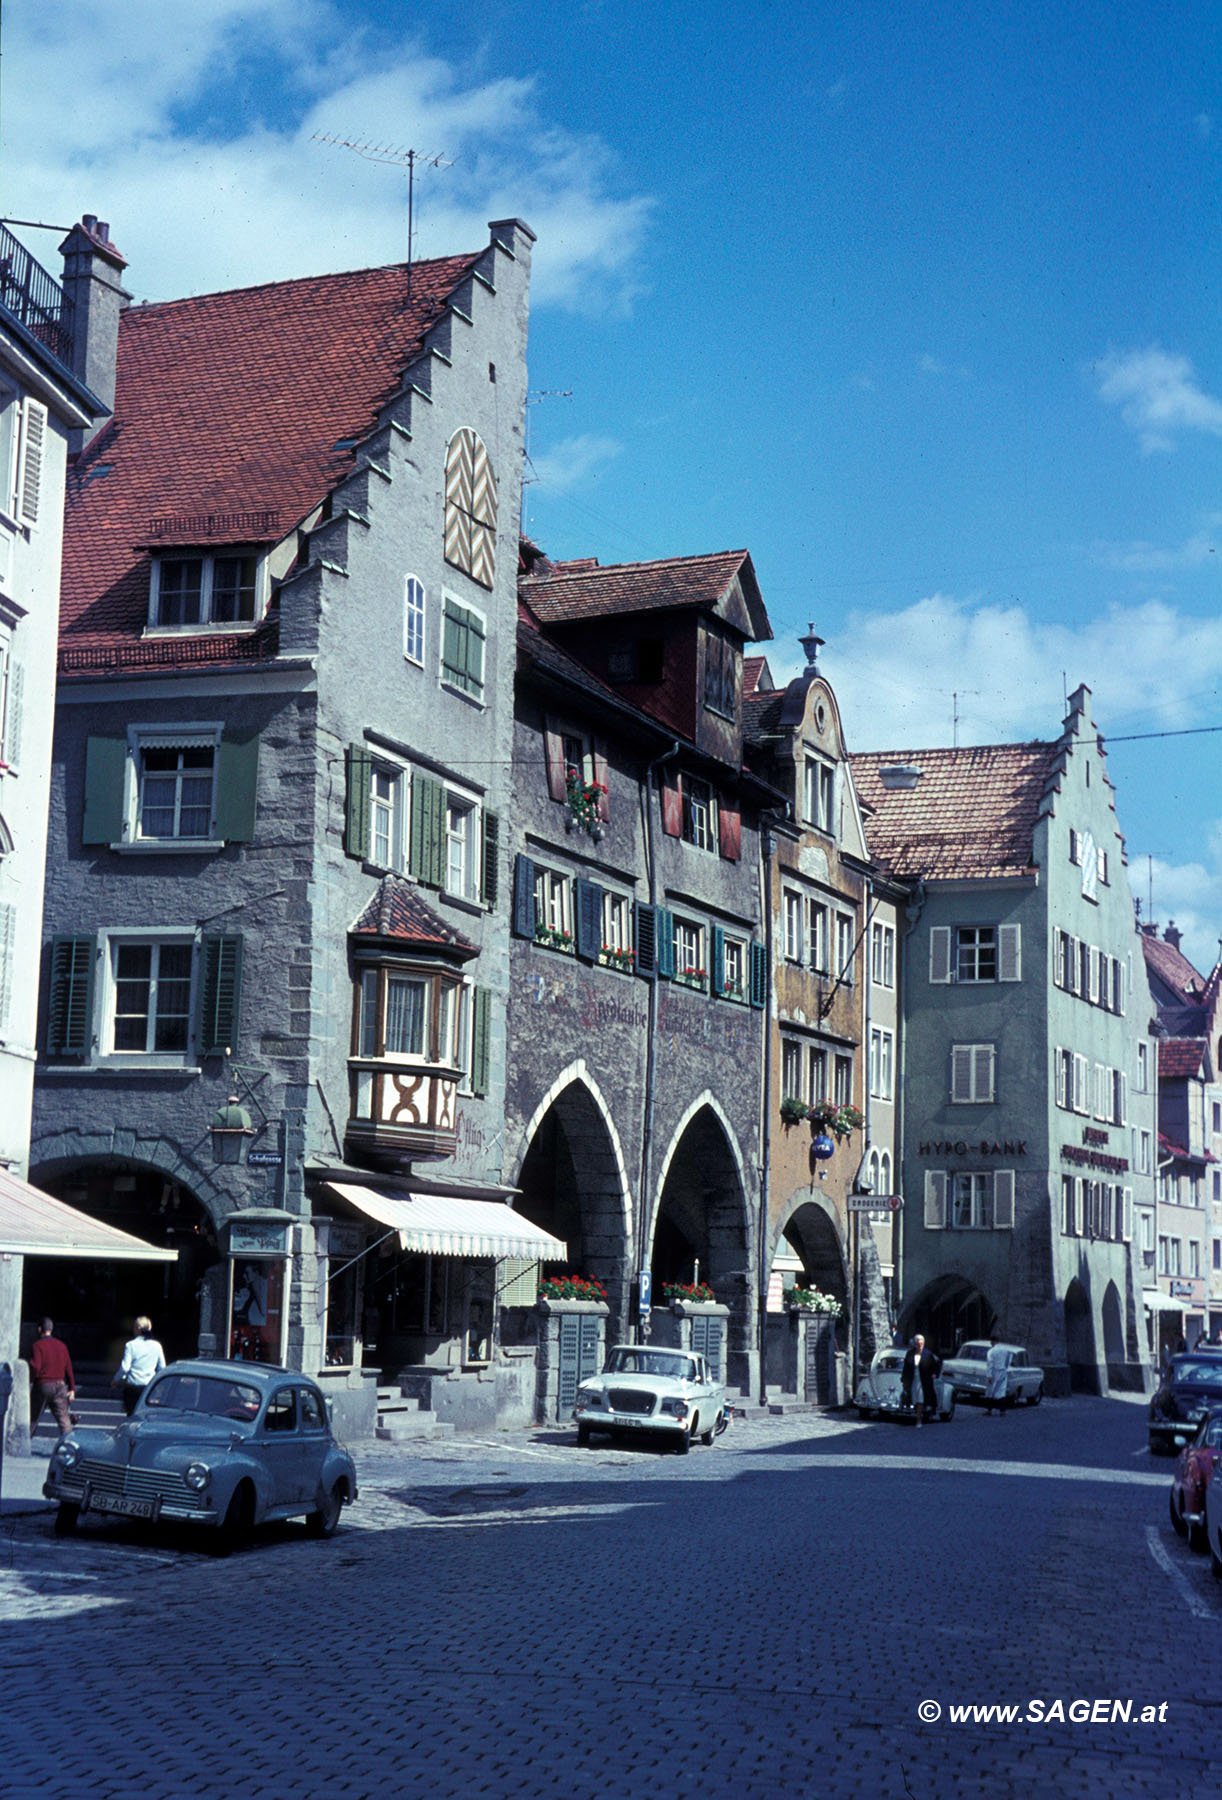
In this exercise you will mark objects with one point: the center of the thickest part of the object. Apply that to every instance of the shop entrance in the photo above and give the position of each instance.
(94, 1303)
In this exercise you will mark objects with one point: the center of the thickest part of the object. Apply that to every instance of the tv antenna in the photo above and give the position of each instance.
(533, 397)
(399, 158)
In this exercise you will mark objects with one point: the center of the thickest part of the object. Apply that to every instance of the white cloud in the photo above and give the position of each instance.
(192, 135)
(573, 461)
(1188, 895)
(1158, 395)
(1140, 556)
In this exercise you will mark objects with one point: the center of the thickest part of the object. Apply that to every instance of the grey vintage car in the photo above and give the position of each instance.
(879, 1394)
(227, 1445)
(669, 1395)
(968, 1369)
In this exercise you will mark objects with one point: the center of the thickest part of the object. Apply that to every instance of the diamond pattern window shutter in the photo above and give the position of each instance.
(646, 924)
(490, 867)
(470, 508)
(358, 769)
(759, 975)
(220, 995)
(524, 897)
(29, 473)
(70, 1012)
(589, 919)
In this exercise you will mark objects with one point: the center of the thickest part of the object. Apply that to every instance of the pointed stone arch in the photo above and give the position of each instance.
(1081, 1352)
(947, 1311)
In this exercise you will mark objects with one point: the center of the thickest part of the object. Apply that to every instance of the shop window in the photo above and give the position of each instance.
(256, 1310)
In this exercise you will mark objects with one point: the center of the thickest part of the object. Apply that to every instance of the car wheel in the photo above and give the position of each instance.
(66, 1519)
(1177, 1517)
(1198, 1538)
(239, 1520)
(1158, 1448)
(583, 1437)
(683, 1443)
(949, 1412)
(706, 1437)
(323, 1522)
(1037, 1396)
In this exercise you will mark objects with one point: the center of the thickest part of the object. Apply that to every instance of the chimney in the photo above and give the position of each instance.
(1172, 935)
(92, 268)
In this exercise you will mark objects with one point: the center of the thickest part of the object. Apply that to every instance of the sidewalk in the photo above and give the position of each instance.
(21, 1480)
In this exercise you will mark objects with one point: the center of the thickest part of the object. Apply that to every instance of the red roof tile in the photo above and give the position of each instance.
(234, 415)
(972, 813)
(1180, 1059)
(583, 590)
(397, 911)
(1172, 967)
(757, 676)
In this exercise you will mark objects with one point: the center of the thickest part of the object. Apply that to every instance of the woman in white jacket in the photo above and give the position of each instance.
(142, 1358)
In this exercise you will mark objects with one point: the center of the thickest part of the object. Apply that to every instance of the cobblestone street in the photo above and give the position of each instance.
(518, 1617)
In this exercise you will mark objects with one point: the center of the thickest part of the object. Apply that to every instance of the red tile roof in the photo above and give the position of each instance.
(397, 911)
(1172, 967)
(560, 592)
(234, 415)
(757, 676)
(972, 813)
(1180, 1059)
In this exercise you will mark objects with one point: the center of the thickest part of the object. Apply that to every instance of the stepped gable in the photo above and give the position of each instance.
(971, 813)
(397, 912)
(235, 414)
(582, 589)
(1180, 1058)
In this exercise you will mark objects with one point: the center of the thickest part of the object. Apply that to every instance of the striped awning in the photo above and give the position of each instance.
(450, 1224)
(36, 1224)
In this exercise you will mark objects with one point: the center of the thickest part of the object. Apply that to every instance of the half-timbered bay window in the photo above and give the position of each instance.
(407, 1060)
(153, 998)
(189, 591)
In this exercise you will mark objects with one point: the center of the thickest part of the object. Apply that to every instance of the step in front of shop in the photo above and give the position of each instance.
(400, 1416)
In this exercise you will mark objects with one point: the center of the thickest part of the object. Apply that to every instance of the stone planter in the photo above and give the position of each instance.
(572, 1346)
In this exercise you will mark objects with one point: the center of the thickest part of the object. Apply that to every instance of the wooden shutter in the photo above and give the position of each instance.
(557, 771)
(1063, 1070)
(358, 768)
(237, 781)
(589, 920)
(730, 832)
(939, 954)
(458, 500)
(220, 995)
(473, 653)
(1003, 1200)
(524, 897)
(646, 932)
(665, 942)
(1058, 959)
(984, 1069)
(1071, 964)
(935, 1199)
(759, 974)
(1009, 953)
(427, 843)
(603, 780)
(672, 804)
(8, 945)
(490, 865)
(1126, 1215)
(1081, 1083)
(717, 959)
(105, 776)
(481, 998)
(70, 1008)
(29, 467)
(10, 750)
(961, 1072)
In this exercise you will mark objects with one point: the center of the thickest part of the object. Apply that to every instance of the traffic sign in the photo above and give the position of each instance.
(875, 1202)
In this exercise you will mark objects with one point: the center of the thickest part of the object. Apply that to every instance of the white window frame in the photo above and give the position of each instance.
(792, 908)
(846, 941)
(818, 936)
(975, 1187)
(207, 560)
(1141, 1082)
(699, 813)
(554, 904)
(388, 813)
(617, 922)
(690, 953)
(734, 979)
(842, 1078)
(192, 735)
(882, 1063)
(792, 1084)
(819, 793)
(882, 955)
(1143, 1152)
(415, 617)
(462, 845)
(125, 938)
(818, 1086)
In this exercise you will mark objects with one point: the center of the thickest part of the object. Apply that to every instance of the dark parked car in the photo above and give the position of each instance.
(1191, 1384)
(224, 1445)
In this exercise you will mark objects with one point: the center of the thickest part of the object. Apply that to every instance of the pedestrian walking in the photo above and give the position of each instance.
(52, 1382)
(996, 1370)
(922, 1367)
(142, 1358)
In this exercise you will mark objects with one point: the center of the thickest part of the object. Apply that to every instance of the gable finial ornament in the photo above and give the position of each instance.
(811, 645)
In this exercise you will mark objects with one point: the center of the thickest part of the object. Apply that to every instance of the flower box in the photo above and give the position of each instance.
(554, 940)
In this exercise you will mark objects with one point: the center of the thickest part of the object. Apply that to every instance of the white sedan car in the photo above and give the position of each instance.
(968, 1370)
(667, 1394)
(879, 1393)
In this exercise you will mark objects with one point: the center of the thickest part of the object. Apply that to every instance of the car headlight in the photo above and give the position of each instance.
(197, 1476)
(675, 1407)
(588, 1397)
(66, 1454)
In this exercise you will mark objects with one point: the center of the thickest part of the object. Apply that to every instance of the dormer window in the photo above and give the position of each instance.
(188, 591)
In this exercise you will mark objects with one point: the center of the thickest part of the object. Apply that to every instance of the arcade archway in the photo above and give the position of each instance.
(572, 1185)
(1080, 1341)
(701, 1229)
(949, 1311)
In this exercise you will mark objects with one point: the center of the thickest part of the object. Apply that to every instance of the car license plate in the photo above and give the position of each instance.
(124, 1504)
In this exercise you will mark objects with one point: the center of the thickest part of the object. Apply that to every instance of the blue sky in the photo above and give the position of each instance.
(917, 302)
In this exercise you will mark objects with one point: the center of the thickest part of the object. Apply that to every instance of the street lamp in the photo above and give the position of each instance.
(231, 1131)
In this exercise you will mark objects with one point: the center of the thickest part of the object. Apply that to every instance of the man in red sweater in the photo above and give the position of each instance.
(52, 1382)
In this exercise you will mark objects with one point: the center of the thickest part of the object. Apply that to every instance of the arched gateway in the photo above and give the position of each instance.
(701, 1229)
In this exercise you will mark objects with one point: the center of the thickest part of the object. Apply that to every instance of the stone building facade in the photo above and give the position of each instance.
(276, 922)
(1025, 1013)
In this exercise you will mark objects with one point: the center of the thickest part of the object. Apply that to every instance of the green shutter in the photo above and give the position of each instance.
(475, 654)
(665, 942)
(480, 1020)
(490, 868)
(105, 775)
(237, 779)
(359, 770)
(453, 662)
(220, 995)
(426, 857)
(70, 1011)
(717, 962)
(759, 975)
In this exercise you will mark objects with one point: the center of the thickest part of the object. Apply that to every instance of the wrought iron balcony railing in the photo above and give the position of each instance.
(34, 298)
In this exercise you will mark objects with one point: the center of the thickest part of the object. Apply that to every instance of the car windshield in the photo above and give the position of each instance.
(1211, 1433)
(629, 1361)
(972, 1353)
(1199, 1374)
(210, 1395)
